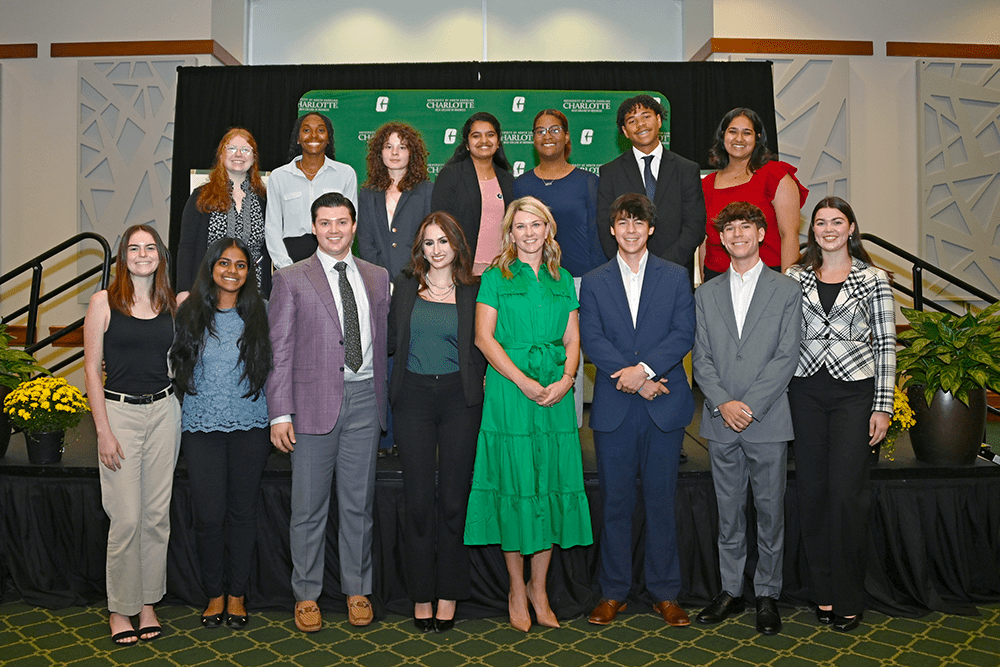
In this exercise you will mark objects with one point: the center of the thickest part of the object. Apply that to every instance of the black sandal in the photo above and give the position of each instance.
(150, 630)
(127, 634)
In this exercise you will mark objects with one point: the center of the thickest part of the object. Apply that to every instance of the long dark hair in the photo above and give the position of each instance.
(462, 150)
(717, 155)
(121, 291)
(196, 319)
(812, 256)
(295, 150)
(461, 267)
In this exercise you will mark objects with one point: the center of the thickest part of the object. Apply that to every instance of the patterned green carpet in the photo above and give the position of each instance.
(79, 636)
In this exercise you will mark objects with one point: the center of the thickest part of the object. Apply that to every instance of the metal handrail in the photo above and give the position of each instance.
(36, 298)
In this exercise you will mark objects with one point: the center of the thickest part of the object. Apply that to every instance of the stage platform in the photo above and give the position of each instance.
(934, 538)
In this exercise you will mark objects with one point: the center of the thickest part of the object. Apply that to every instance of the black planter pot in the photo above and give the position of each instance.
(947, 432)
(45, 446)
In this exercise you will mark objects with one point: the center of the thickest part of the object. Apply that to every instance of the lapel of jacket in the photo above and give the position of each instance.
(810, 296)
(724, 302)
(368, 278)
(632, 173)
(854, 282)
(667, 167)
(761, 295)
(317, 277)
(650, 283)
(616, 289)
(399, 204)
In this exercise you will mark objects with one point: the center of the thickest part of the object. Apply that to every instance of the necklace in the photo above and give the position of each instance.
(442, 292)
(310, 174)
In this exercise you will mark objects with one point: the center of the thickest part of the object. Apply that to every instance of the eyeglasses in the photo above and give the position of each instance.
(555, 131)
(242, 150)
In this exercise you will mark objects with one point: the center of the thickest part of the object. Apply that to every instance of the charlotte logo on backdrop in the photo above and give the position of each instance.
(440, 114)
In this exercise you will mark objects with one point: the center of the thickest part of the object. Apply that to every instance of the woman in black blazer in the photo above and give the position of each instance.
(436, 391)
(478, 172)
(396, 197)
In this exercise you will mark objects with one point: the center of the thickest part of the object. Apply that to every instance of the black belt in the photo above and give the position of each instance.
(142, 399)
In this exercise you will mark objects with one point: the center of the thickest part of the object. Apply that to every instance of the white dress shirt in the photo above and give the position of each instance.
(366, 371)
(741, 288)
(289, 201)
(633, 290)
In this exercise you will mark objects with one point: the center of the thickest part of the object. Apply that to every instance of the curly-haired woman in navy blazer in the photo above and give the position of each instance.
(436, 392)
(841, 401)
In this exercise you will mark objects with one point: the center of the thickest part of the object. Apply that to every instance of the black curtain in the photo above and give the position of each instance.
(264, 100)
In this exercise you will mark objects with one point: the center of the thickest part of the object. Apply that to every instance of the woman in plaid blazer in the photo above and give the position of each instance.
(841, 402)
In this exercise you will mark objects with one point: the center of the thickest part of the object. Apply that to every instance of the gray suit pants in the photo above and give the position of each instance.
(763, 466)
(349, 449)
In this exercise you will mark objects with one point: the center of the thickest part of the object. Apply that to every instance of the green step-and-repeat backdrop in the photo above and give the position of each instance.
(440, 114)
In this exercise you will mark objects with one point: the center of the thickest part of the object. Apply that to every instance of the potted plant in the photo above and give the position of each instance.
(16, 366)
(44, 408)
(950, 362)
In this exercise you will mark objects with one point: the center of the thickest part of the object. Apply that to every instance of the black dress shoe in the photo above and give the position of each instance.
(720, 608)
(212, 621)
(423, 624)
(845, 624)
(768, 618)
(442, 625)
(825, 616)
(236, 622)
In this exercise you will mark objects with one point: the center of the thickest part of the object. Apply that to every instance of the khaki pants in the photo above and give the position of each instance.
(137, 500)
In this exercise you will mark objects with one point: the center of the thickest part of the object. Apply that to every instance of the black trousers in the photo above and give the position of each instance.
(432, 424)
(832, 460)
(225, 470)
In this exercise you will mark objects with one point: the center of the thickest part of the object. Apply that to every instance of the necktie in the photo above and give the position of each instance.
(647, 176)
(352, 332)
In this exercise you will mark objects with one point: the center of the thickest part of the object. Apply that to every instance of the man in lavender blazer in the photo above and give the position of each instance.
(326, 413)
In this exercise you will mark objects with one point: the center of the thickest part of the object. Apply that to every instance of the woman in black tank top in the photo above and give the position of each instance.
(128, 331)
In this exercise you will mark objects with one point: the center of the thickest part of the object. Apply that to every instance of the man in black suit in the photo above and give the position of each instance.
(671, 182)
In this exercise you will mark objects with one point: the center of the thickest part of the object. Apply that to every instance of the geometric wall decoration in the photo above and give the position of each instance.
(958, 151)
(811, 109)
(125, 129)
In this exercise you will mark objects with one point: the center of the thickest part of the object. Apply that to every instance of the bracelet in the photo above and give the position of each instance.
(572, 378)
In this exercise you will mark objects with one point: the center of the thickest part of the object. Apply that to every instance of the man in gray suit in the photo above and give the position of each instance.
(745, 352)
(326, 398)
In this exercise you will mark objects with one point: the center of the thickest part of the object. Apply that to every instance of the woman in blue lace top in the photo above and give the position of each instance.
(221, 358)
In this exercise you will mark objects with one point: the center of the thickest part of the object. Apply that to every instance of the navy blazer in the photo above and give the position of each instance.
(679, 199)
(457, 192)
(471, 362)
(662, 337)
(388, 247)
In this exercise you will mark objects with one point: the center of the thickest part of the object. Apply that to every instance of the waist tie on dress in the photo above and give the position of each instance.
(546, 361)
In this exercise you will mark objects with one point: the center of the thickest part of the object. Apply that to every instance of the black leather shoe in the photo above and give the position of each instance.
(768, 618)
(844, 624)
(423, 624)
(237, 622)
(443, 625)
(213, 621)
(721, 608)
(825, 616)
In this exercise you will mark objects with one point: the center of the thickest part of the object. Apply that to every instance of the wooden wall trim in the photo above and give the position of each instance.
(942, 50)
(818, 47)
(18, 50)
(166, 47)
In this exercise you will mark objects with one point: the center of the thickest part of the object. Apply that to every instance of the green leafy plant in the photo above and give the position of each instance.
(16, 366)
(953, 353)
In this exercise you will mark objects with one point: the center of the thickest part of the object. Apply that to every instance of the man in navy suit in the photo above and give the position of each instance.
(637, 323)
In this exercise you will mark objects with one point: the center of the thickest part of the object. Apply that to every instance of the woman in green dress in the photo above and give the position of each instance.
(527, 485)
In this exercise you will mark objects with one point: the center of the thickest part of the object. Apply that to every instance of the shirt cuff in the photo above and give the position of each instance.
(649, 371)
(283, 419)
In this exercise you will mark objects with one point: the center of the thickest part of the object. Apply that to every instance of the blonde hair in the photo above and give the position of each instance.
(551, 252)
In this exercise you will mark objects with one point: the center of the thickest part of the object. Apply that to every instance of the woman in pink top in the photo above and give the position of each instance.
(475, 187)
(748, 172)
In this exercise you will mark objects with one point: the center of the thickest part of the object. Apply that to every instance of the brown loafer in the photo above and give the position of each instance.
(606, 611)
(672, 613)
(359, 610)
(307, 616)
